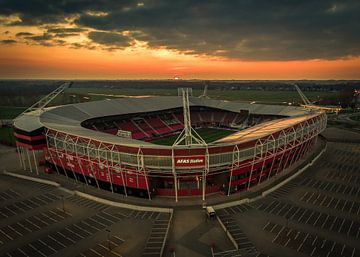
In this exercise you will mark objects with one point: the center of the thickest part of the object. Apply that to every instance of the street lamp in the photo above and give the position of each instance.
(108, 238)
(63, 203)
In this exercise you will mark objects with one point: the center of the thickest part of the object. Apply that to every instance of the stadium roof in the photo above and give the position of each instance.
(68, 118)
(264, 129)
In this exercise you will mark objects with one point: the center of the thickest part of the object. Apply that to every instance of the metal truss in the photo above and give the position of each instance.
(43, 102)
(188, 134)
(303, 97)
(89, 153)
(297, 138)
(141, 169)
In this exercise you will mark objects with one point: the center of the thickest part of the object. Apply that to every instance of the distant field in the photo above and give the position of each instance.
(240, 95)
(77, 95)
(355, 117)
(7, 135)
(208, 134)
(10, 112)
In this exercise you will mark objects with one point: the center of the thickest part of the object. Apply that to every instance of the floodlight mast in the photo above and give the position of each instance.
(205, 92)
(188, 134)
(43, 102)
(309, 105)
(303, 97)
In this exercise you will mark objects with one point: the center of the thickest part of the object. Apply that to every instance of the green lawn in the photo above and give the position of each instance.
(208, 134)
(7, 135)
(234, 95)
(355, 117)
(10, 112)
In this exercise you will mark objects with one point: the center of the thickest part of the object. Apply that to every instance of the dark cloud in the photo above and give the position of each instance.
(40, 12)
(7, 41)
(241, 29)
(110, 39)
(65, 30)
(24, 34)
(62, 35)
(43, 37)
(81, 45)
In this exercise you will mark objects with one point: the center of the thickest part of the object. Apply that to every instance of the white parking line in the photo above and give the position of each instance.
(41, 221)
(37, 250)
(68, 229)
(337, 203)
(32, 223)
(11, 211)
(342, 209)
(21, 225)
(283, 207)
(82, 229)
(19, 207)
(20, 234)
(55, 214)
(6, 235)
(95, 252)
(312, 213)
(23, 202)
(66, 237)
(301, 216)
(278, 234)
(317, 219)
(22, 252)
(107, 248)
(98, 222)
(47, 245)
(62, 211)
(322, 202)
(90, 225)
(144, 215)
(106, 219)
(50, 218)
(56, 241)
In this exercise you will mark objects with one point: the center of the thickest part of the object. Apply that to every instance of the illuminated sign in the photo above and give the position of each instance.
(189, 161)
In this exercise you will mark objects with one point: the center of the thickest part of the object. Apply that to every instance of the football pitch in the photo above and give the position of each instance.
(208, 134)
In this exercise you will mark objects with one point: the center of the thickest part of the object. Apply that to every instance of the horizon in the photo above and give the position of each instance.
(176, 80)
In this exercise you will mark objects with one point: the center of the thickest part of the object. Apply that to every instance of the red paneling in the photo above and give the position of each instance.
(31, 147)
(29, 138)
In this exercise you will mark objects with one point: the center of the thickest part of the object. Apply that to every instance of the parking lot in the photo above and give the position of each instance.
(41, 220)
(316, 214)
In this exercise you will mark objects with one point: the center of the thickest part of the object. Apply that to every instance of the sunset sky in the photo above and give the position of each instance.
(193, 39)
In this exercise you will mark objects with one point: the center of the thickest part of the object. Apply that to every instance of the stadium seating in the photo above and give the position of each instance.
(154, 126)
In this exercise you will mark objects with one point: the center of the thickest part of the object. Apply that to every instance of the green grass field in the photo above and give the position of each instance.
(10, 112)
(208, 134)
(234, 95)
(7, 135)
(355, 117)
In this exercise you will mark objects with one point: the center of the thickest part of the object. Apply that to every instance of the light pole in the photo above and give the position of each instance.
(63, 203)
(108, 238)
(172, 250)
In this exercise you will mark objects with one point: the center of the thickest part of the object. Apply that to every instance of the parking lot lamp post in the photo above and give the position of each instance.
(172, 250)
(108, 238)
(63, 203)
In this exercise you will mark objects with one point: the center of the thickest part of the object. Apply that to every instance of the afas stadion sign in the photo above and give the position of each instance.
(189, 161)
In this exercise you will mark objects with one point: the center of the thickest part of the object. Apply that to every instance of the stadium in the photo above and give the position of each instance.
(172, 146)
